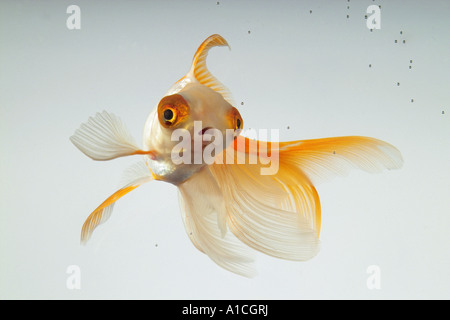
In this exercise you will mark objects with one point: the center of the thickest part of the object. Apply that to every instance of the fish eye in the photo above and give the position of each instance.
(172, 110)
(238, 123)
(234, 118)
(168, 114)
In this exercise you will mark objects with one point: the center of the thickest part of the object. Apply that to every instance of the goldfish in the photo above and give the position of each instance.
(230, 207)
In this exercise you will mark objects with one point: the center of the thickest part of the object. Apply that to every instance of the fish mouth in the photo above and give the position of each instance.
(202, 134)
(203, 131)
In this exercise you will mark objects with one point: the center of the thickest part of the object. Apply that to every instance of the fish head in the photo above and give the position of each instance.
(209, 114)
(188, 129)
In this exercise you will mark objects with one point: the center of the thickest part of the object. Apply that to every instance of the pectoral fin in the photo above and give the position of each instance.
(105, 137)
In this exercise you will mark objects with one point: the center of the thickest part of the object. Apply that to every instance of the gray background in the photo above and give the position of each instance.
(305, 73)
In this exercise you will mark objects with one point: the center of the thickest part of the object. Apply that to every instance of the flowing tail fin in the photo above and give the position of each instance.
(204, 215)
(279, 214)
(322, 159)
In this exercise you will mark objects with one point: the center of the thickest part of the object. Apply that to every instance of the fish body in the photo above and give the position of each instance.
(231, 203)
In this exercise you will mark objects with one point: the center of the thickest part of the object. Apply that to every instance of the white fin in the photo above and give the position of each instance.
(104, 137)
(203, 209)
(135, 172)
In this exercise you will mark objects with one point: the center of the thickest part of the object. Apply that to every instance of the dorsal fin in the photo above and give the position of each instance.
(201, 73)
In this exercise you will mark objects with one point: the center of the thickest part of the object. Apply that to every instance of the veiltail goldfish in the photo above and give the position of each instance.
(227, 204)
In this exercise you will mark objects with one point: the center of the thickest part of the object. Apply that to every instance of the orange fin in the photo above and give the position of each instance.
(321, 159)
(278, 214)
(141, 174)
(102, 213)
(201, 73)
